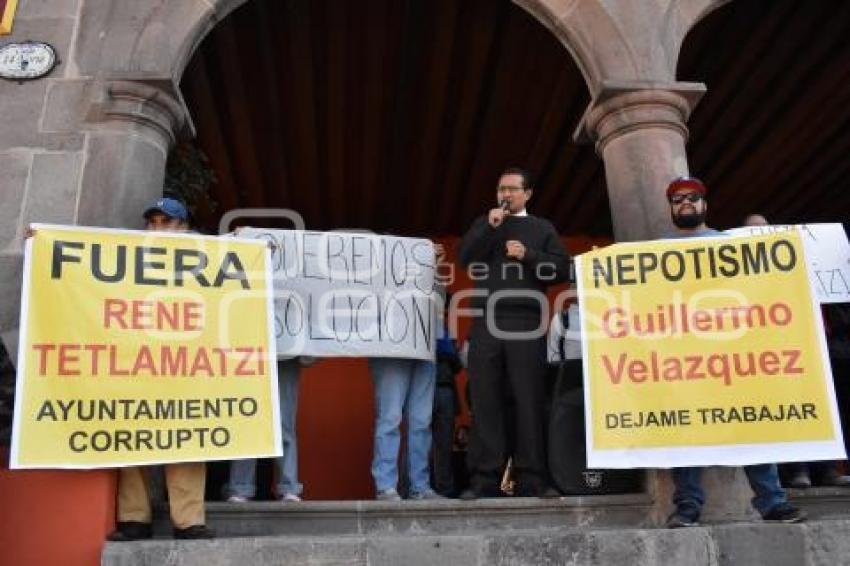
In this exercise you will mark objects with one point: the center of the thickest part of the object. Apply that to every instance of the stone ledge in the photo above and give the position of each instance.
(816, 542)
(422, 517)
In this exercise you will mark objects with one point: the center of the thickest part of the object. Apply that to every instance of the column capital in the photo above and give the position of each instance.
(155, 106)
(622, 107)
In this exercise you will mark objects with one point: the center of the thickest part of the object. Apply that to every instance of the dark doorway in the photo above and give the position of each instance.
(391, 115)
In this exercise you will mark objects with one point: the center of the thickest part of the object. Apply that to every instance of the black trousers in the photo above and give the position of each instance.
(503, 371)
(443, 434)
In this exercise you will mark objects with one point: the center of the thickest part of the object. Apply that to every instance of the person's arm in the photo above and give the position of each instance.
(478, 241)
(463, 354)
(454, 358)
(555, 354)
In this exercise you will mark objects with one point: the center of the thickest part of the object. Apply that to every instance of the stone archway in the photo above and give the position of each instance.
(626, 51)
(112, 111)
(113, 43)
(134, 55)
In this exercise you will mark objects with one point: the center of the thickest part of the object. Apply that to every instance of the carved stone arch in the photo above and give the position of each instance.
(553, 15)
(145, 39)
(690, 14)
(220, 9)
(622, 42)
(173, 29)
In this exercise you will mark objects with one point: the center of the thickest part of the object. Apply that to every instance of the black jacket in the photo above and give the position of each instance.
(545, 263)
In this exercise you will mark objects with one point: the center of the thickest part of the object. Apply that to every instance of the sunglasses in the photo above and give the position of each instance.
(690, 197)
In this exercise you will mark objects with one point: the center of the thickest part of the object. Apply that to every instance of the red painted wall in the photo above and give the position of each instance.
(54, 517)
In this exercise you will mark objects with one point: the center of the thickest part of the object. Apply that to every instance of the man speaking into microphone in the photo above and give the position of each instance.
(513, 257)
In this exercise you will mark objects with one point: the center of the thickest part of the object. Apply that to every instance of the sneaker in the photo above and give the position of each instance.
(679, 520)
(800, 480)
(425, 494)
(290, 498)
(388, 495)
(785, 513)
(126, 531)
(237, 499)
(195, 532)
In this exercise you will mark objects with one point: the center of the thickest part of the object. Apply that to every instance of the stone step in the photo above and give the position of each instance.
(822, 502)
(446, 516)
(818, 542)
(449, 516)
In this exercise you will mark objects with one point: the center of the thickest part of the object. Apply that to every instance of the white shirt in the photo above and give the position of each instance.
(571, 336)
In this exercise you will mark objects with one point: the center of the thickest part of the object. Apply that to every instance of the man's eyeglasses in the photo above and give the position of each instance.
(690, 197)
(509, 189)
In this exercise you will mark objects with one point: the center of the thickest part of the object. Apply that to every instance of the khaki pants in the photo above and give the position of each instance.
(185, 484)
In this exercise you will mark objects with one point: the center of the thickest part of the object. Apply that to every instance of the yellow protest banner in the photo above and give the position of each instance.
(7, 15)
(144, 347)
(704, 351)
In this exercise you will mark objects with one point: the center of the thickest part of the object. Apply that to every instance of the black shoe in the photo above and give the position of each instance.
(194, 532)
(468, 494)
(542, 491)
(682, 519)
(785, 513)
(833, 479)
(481, 493)
(126, 531)
(549, 492)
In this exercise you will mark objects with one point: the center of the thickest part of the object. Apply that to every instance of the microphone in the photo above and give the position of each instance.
(504, 206)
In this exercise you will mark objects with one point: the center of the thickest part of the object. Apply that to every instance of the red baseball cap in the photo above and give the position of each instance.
(691, 183)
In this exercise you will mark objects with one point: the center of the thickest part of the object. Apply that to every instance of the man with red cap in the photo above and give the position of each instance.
(688, 208)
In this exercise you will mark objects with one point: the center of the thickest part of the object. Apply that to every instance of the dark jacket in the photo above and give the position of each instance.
(545, 263)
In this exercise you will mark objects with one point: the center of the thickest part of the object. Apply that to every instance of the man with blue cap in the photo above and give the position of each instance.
(166, 214)
(185, 480)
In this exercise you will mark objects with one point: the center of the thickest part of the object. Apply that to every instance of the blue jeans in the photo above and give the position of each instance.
(402, 387)
(243, 473)
(764, 479)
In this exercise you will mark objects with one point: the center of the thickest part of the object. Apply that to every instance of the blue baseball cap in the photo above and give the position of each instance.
(170, 207)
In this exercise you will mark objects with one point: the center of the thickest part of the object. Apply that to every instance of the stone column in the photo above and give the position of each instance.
(126, 128)
(640, 132)
(133, 126)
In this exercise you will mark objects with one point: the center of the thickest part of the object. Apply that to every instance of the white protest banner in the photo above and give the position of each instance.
(827, 257)
(352, 294)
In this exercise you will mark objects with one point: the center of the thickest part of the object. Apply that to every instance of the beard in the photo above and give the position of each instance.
(688, 220)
